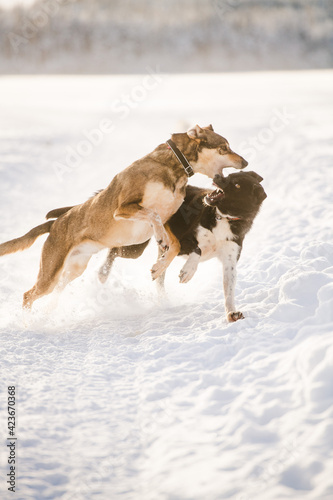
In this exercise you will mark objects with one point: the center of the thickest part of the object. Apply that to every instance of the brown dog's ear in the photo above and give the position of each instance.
(196, 133)
(209, 127)
(256, 176)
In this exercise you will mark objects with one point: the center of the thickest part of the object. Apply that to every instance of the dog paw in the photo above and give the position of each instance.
(185, 275)
(163, 241)
(189, 268)
(164, 245)
(234, 316)
(158, 268)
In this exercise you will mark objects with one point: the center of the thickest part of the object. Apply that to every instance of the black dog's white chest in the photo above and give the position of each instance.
(211, 240)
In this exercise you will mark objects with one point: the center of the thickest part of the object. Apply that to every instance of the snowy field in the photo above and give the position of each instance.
(123, 397)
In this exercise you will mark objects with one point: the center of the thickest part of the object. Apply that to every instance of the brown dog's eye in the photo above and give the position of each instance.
(237, 186)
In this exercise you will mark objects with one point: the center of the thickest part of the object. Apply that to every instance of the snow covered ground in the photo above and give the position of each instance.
(122, 397)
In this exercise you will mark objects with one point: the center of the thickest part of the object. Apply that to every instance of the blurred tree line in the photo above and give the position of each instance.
(105, 36)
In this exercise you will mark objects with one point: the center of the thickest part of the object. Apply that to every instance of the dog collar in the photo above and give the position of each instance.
(228, 217)
(180, 157)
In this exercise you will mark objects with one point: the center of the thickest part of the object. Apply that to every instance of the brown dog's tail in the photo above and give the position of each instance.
(57, 212)
(27, 240)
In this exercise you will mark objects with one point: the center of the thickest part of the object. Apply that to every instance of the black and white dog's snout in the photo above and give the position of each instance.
(221, 181)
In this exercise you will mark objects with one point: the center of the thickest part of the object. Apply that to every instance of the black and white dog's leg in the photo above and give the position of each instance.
(191, 265)
(228, 255)
(105, 269)
(127, 252)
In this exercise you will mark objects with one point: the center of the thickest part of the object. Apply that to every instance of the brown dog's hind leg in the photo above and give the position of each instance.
(51, 265)
(73, 269)
(59, 266)
(78, 260)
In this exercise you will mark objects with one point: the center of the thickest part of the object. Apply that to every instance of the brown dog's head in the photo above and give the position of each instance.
(213, 152)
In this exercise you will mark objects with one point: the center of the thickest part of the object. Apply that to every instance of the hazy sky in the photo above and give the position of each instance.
(11, 3)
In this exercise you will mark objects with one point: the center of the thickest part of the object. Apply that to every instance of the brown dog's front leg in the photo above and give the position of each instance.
(135, 212)
(165, 260)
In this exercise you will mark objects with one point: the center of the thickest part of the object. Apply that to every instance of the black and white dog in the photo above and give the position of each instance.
(209, 224)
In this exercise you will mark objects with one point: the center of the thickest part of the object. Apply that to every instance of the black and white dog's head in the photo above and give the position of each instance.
(239, 195)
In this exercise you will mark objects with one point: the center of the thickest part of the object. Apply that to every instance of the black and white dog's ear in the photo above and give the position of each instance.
(256, 176)
(259, 193)
(196, 133)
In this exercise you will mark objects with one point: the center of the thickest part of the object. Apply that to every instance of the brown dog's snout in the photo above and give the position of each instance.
(239, 161)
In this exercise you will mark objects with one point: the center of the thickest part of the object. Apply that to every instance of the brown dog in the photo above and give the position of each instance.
(135, 206)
